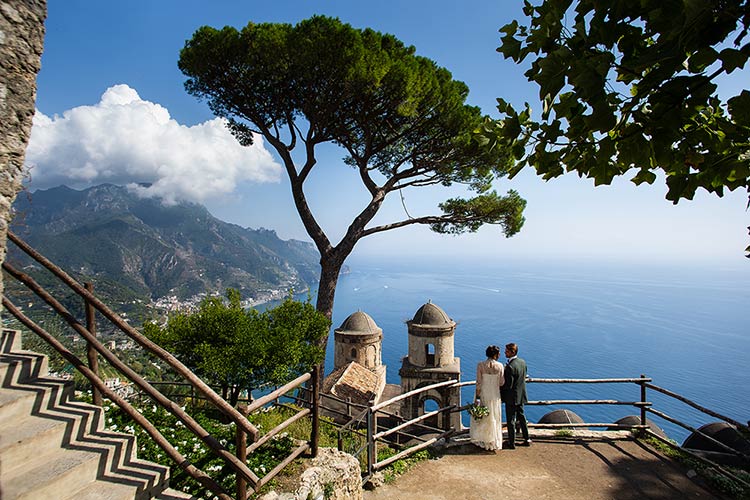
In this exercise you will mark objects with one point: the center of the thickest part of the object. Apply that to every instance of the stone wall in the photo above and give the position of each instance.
(21, 43)
(332, 475)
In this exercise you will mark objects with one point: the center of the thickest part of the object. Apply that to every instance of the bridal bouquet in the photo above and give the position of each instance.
(478, 411)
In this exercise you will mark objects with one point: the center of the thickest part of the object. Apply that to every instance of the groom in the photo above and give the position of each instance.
(514, 395)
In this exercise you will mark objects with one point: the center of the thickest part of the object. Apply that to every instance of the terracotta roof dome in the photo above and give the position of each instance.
(359, 323)
(432, 315)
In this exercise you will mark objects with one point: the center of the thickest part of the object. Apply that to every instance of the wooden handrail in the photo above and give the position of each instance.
(409, 451)
(334, 398)
(283, 425)
(585, 424)
(420, 418)
(589, 402)
(587, 380)
(297, 452)
(692, 429)
(260, 402)
(697, 406)
(376, 407)
(113, 360)
(142, 340)
(93, 359)
(152, 431)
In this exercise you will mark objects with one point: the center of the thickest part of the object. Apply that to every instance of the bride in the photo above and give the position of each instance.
(487, 432)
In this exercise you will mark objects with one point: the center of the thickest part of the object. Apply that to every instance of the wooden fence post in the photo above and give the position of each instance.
(315, 433)
(241, 442)
(371, 448)
(641, 432)
(91, 355)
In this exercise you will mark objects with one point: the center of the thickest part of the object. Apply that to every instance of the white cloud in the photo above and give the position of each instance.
(126, 140)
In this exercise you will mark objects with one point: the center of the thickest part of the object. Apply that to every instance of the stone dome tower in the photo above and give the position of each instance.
(431, 337)
(359, 339)
(431, 360)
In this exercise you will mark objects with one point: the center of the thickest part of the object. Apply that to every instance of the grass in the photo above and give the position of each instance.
(401, 466)
(564, 433)
(717, 480)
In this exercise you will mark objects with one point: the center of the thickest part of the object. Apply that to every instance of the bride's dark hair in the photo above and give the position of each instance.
(492, 351)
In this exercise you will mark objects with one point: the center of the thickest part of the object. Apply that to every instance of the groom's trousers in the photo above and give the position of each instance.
(515, 414)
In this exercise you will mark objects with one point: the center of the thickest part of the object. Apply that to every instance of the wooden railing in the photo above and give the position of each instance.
(646, 407)
(246, 478)
(640, 404)
(375, 436)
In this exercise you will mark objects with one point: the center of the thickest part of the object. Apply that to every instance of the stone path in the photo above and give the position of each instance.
(590, 468)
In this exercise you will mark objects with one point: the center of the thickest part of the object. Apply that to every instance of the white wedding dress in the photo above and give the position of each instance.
(487, 432)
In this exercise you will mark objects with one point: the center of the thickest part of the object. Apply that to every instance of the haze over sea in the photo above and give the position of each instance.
(688, 328)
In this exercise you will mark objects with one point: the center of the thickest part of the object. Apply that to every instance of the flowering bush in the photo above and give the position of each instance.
(261, 461)
(478, 411)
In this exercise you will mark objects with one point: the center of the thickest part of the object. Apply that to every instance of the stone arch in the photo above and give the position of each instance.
(431, 402)
(371, 356)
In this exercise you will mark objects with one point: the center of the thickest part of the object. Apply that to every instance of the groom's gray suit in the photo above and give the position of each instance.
(514, 395)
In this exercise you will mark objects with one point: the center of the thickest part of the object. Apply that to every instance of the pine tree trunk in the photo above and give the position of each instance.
(329, 277)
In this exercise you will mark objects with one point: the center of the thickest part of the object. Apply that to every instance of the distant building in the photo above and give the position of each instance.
(359, 375)
(431, 360)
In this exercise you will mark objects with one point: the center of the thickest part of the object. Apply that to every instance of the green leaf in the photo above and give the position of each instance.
(702, 59)
(644, 175)
(739, 108)
(732, 59)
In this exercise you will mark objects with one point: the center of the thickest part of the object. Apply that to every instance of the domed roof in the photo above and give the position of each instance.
(431, 315)
(636, 420)
(720, 431)
(359, 323)
(562, 416)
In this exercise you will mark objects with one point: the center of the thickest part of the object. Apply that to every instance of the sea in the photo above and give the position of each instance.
(685, 327)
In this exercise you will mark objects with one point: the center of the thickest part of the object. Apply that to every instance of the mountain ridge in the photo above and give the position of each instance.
(155, 250)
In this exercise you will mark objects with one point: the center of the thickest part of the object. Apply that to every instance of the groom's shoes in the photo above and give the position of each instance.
(508, 446)
(526, 443)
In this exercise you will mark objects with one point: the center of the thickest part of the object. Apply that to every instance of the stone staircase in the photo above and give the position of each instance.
(54, 447)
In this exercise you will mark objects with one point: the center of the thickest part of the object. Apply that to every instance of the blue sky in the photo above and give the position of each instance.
(113, 108)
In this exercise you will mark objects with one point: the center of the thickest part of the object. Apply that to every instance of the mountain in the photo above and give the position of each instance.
(139, 247)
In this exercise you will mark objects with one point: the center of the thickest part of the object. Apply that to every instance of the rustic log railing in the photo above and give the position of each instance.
(246, 479)
(642, 428)
(373, 437)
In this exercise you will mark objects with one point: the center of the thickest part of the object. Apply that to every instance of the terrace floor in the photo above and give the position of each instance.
(591, 466)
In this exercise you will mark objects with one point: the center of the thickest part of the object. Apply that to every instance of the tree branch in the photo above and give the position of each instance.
(300, 200)
(428, 219)
(292, 126)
